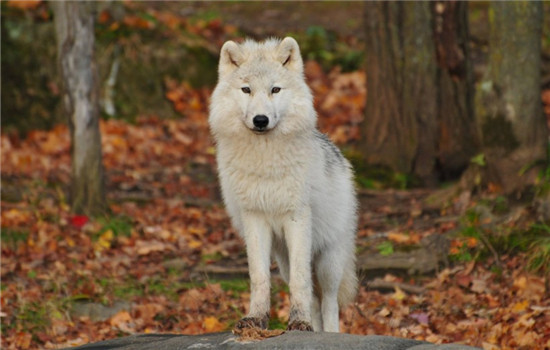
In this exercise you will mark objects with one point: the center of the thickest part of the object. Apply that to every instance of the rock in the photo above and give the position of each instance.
(97, 312)
(289, 340)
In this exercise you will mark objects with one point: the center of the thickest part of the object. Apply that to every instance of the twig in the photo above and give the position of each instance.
(489, 246)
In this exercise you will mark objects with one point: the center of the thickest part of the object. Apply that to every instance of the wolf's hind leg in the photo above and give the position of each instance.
(329, 270)
(316, 318)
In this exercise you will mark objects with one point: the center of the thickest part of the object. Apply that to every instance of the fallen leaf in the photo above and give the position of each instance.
(147, 312)
(123, 321)
(421, 317)
(520, 306)
(399, 237)
(104, 241)
(479, 285)
(148, 247)
(79, 220)
(385, 312)
(399, 294)
(23, 340)
(212, 324)
(24, 4)
(248, 334)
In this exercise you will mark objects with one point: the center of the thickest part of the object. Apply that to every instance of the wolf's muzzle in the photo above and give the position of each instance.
(260, 122)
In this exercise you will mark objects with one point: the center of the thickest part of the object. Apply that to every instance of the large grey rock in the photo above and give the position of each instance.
(287, 341)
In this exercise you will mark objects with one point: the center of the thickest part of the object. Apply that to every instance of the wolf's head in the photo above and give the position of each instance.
(261, 88)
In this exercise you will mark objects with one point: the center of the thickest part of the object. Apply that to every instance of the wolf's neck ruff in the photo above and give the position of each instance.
(267, 173)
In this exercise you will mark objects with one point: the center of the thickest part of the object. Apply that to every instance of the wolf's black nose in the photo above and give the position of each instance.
(260, 121)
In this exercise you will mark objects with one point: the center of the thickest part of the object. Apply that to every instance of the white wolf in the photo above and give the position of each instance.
(287, 188)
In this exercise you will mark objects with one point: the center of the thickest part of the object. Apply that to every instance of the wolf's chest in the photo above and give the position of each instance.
(273, 184)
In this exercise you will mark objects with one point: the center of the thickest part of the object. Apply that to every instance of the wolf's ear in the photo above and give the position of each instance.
(231, 57)
(288, 53)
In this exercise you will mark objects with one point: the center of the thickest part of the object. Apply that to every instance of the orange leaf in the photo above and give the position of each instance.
(194, 244)
(399, 237)
(212, 324)
(520, 306)
(138, 22)
(197, 230)
(24, 4)
(120, 318)
(471, 242)
(23, 340)
(104, 17)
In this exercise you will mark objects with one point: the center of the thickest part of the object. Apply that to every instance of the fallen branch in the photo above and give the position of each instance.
(379, 283)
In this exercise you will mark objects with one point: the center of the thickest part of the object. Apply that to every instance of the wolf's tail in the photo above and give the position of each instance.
(349, 284)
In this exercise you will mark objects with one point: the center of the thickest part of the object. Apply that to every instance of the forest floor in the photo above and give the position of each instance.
(167, 259)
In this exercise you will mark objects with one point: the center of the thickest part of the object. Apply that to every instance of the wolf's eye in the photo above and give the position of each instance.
(275, 90)
(246, 89)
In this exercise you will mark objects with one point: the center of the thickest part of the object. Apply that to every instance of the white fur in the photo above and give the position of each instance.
(287, 189)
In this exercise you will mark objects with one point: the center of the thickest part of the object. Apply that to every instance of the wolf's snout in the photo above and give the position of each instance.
(260, 121)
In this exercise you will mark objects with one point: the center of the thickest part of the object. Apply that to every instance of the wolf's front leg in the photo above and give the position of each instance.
(257, 236)
(298, 238)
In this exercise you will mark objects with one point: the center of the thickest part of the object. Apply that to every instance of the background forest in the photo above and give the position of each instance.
(443, 108)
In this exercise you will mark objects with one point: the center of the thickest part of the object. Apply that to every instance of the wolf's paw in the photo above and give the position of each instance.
(298, 325)
(251, 322)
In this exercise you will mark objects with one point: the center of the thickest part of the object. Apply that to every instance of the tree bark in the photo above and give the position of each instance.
(393, 57)
(418, 81)
(74, 23)
(508, 99)
(458, 139)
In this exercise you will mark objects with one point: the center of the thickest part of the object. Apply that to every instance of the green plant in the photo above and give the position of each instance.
(475, 242)
(472, 242)
(479, 160)
(119, 225)
(235, 285)
(385, 248)
(33, 316)
(276, 323)
(13, 237)
(538, 248)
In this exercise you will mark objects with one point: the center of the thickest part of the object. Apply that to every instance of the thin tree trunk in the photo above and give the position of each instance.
(508, 100)
(74, 22)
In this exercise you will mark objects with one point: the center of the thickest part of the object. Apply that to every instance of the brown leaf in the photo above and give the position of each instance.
(147, 312)
(148, 247)
(248, 334)
(123, 321)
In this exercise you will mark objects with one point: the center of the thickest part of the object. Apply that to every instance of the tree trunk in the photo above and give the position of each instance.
(458, 139)
(418, 79)
(74, 23)
(508, 100)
